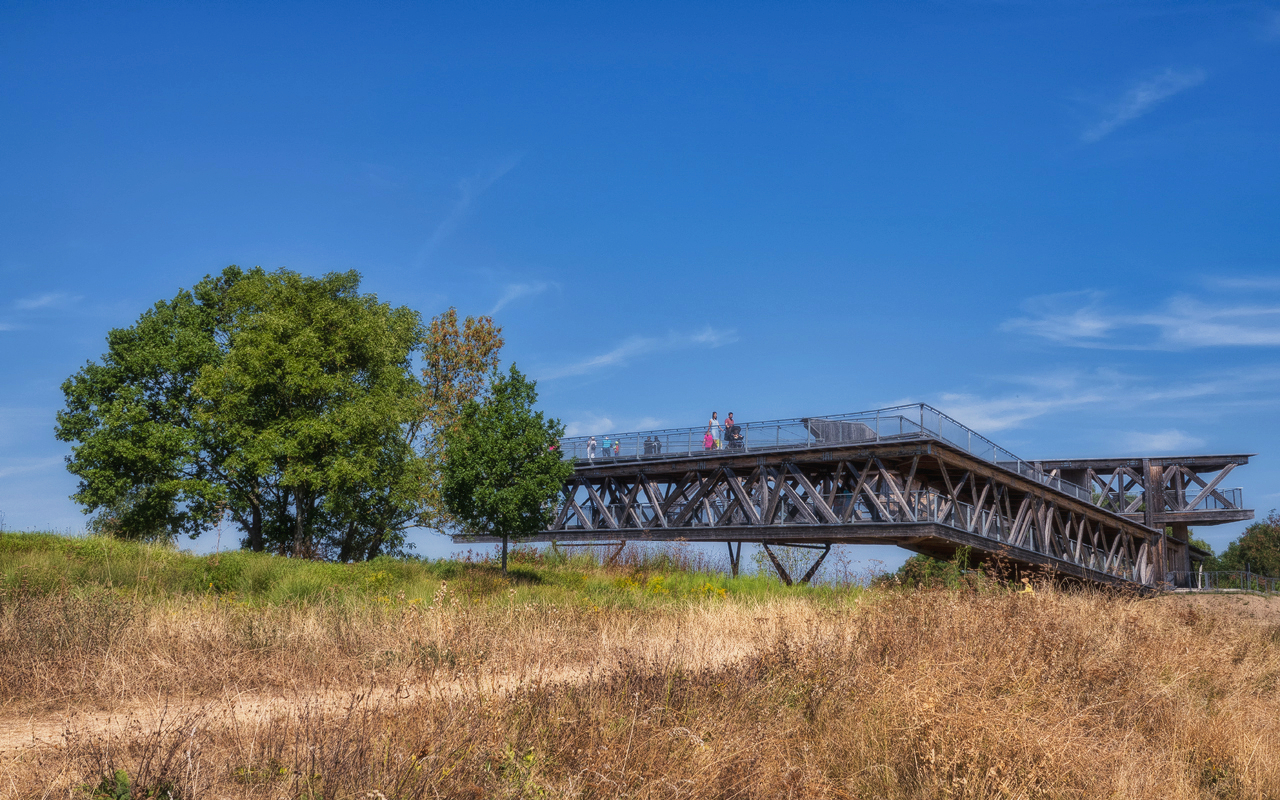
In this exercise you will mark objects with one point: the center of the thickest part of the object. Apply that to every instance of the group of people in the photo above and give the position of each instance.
(610, 448)
(711, 440)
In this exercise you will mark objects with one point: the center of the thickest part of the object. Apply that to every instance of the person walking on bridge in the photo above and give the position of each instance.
(591, 448)
(713, 428)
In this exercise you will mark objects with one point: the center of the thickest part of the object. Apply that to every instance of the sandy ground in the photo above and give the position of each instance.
(1264, 610)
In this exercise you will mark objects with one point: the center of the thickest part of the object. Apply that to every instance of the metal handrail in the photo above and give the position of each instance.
(1220, 580)
(896, 423)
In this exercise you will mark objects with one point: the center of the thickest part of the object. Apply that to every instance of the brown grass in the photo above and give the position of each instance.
(910, 695)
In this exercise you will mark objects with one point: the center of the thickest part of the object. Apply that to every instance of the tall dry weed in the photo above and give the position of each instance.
(902, 695)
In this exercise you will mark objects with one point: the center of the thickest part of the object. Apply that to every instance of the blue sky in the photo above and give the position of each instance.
(1057, 222)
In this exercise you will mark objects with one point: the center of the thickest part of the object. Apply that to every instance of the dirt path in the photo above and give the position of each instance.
(1262, 609)
(20, 735)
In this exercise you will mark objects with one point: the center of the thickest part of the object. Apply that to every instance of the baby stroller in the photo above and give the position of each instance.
(733, 438)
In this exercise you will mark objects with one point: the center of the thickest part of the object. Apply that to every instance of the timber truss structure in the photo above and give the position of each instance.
(908, 476)
(1172, 492)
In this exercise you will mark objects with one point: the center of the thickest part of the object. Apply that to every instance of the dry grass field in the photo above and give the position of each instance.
(146, 673)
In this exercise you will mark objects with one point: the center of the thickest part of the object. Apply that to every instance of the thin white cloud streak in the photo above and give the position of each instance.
(516, 291)
(49, 300)
(39, 465)
(596, 425)
(1063, 392)
(638, 346)
(1244, 283)
(469, 190)
(1167, 441)
(591, 424)
(1183, 323)
(1141, 98)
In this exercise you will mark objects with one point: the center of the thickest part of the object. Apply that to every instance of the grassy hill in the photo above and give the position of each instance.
(255, 676)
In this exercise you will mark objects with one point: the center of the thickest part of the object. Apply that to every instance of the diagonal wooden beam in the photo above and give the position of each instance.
(823, 509)
(864, 488)
(677, 492)
(774, 496)
(655, 500)
(740, 494)
(1208, 489)
(705, 485)
(995, 505)
(893, 487)
(565, 507)
(629, 503)
(587, 522)
(907, 484)
(1025, 509)
(813, 570)
(798, 500)
(603, 508)
(836, 480)
(782, 571)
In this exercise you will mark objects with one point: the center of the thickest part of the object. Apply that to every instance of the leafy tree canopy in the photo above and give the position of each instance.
(1258, 547)
(502, 465)
(288, 403)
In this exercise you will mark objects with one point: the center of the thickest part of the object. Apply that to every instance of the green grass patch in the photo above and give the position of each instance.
(42, 563)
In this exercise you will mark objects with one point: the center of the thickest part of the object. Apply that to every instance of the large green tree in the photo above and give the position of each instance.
(314, 391)
(146, 461)
(287, 402)
(502, 463)
(1258, 548)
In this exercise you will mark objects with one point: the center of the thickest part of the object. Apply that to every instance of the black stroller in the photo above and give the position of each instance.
(733, 438)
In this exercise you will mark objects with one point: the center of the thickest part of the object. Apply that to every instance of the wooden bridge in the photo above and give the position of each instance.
(908, 476)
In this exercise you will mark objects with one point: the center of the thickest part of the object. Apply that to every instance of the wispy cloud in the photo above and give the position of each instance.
(1073, 391)
(48, 300)
(515, 291)
(1266, 283)
(1162, 442)
(30, 465)
(1141, 98)
(637, 346)
(469, 190)
(590, 424)
(596, 424)
(1182, 323)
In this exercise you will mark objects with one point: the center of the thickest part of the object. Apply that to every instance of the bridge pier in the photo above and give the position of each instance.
(782, 571)
(735, 559)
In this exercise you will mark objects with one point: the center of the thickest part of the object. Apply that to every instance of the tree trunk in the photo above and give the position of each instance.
(375, 548)
(504, 554)
(347, 551)
(300, 548)
(255, 526)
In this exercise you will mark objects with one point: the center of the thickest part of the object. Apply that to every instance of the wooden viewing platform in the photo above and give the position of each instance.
(908, 476)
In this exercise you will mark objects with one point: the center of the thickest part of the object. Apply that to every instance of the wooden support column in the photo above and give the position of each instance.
(782, 571)
(1152, 511)
(1179, 547)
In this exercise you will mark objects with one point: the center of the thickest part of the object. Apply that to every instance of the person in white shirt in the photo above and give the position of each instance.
(591, 448)
(713, 427)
